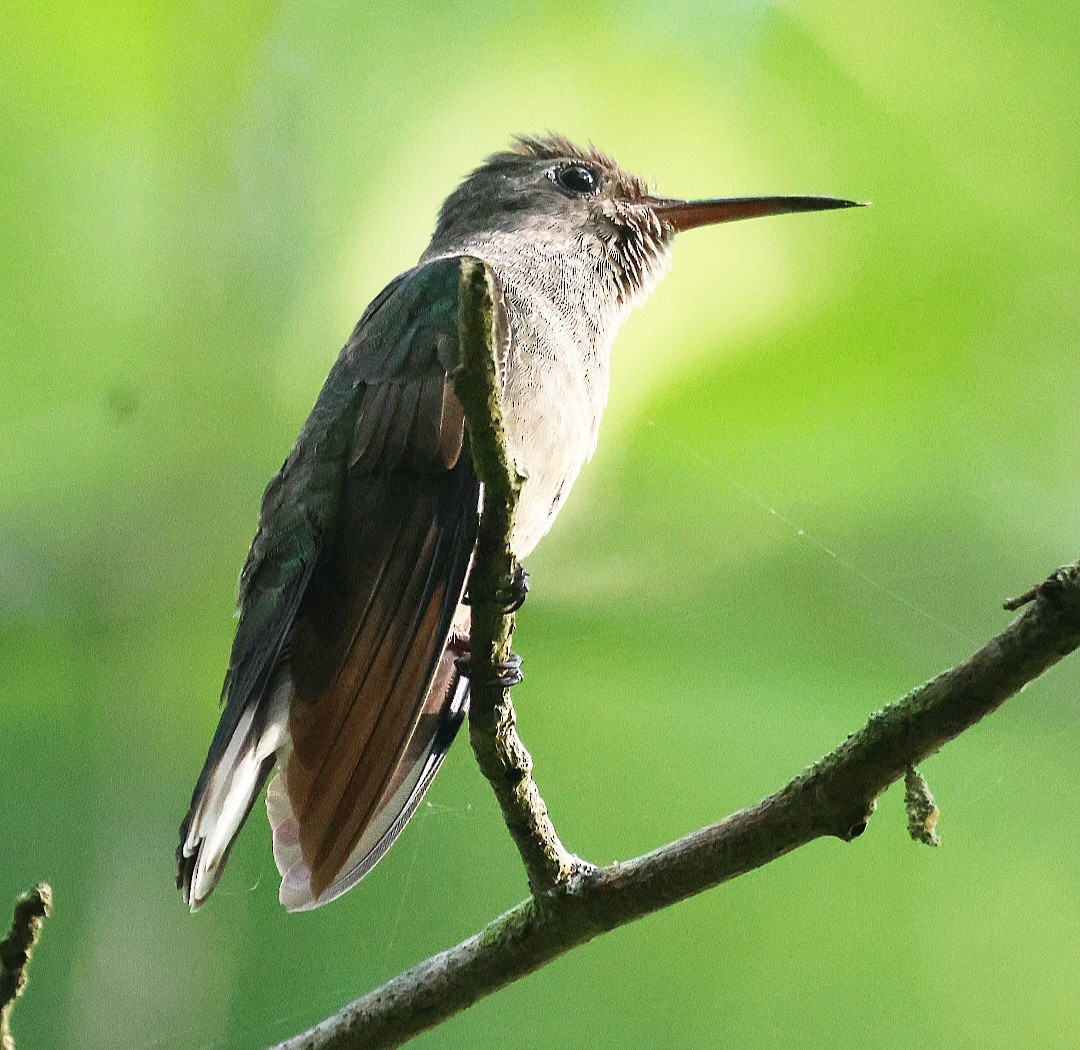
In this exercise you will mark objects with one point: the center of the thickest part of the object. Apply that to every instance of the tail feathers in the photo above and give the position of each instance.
(449, 694)
(226, 793)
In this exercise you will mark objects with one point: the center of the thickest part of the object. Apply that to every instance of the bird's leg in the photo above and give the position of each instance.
(506, 598)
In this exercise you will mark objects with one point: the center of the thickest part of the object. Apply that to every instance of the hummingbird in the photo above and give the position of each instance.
(346, 674)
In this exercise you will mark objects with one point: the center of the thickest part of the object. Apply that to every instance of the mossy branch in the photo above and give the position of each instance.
(502, 756)
(573, 903)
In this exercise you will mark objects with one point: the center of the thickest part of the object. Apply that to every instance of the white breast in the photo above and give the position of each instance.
(556, 380)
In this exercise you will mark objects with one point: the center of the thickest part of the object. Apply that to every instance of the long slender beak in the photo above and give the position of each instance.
(686, 215)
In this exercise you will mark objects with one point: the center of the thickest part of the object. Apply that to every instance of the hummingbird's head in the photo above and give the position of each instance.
(579, 201)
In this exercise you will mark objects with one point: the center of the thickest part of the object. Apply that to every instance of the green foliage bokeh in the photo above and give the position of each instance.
(835, 444)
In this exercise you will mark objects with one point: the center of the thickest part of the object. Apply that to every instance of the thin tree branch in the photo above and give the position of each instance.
(573, 903)
(499, 751)
(31, 911)
(835, 796)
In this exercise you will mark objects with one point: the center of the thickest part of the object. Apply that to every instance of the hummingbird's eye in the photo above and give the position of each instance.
(577, 178)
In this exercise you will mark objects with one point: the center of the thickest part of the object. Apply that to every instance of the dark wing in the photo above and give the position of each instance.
(347, 600)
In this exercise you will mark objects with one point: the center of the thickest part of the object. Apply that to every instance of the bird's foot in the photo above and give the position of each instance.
(503, 673)
(511, 597)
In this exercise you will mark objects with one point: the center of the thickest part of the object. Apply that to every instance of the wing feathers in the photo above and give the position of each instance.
(444, 711)
(348, 596)
(356, 733)
(332, 743)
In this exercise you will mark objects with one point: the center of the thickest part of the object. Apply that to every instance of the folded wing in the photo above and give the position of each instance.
(339, 672)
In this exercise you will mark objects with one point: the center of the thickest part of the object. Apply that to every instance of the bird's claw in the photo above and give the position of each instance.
(503, 673)
(512, 597)
(508, 598)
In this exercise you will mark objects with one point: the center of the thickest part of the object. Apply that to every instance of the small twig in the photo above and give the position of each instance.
(1021, 600)
(500, 753)
(31, 911)
(1053, 583)
(922, 809)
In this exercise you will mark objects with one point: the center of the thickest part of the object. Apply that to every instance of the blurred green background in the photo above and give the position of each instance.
(835, 444)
